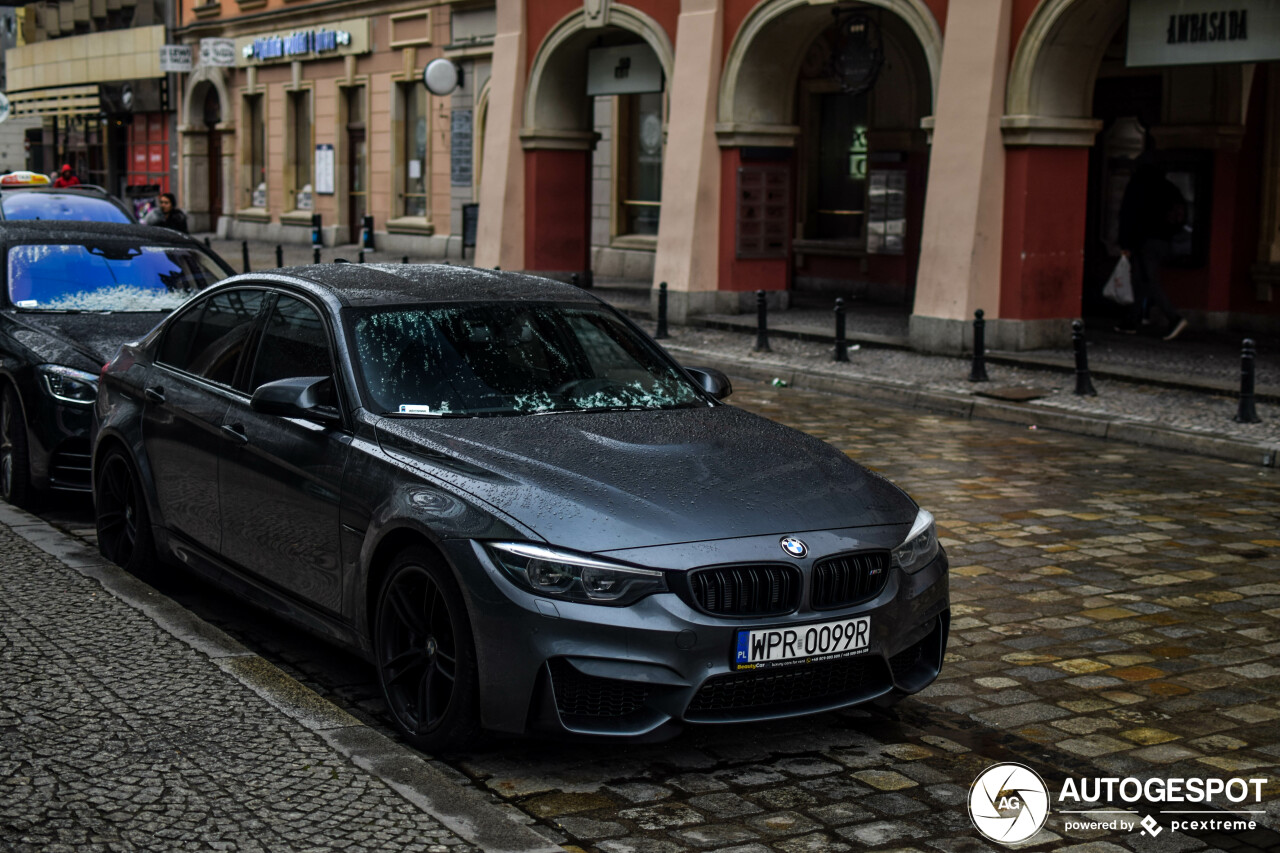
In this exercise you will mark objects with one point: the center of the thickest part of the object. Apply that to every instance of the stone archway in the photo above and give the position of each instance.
(208, 150)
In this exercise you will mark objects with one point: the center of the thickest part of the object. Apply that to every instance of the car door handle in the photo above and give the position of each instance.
(155, 395)
(235, 432)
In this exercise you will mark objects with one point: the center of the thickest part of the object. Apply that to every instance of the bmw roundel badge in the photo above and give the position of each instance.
(794, 547)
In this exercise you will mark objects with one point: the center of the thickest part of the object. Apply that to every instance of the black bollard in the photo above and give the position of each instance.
(405, 260)
(315, 255)
(499, 269)
(244, 253)
(978, 373)
(360, 257)
(279, 255)
(1248, 412)
(661, 332)
(573, 279)
(206, 243)
(762, 324)
(1084, 385)
(842, 343)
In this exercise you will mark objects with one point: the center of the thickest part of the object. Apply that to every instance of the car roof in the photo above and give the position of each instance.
(66, 231)
(369, 285)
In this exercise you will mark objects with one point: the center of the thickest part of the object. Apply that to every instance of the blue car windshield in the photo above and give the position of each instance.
(46, 277)
(74, 208)
(511, 359)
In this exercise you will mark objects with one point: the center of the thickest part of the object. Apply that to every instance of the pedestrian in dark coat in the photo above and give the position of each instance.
(1151, 213)
(167, 215)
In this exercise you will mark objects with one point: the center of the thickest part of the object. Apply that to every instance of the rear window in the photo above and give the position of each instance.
(47, 277)
(73, 208)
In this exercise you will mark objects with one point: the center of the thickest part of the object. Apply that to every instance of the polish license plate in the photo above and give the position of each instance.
(764, 647)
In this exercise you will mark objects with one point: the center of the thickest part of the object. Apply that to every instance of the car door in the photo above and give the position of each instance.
(280, 480)
(186, 395)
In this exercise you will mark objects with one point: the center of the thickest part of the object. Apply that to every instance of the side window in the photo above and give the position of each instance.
(175, 348)
(224, 330)
(294, 343)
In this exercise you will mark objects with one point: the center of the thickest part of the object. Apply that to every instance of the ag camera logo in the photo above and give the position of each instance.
(1008, 803)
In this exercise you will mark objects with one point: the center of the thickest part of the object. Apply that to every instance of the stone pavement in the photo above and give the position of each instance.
(1114, 615)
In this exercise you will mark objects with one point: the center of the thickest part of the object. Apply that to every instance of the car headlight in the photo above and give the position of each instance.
(921, 544)
(575, 577)
(68, 384)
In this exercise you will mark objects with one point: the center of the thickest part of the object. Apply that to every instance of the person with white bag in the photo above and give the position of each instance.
(1152, 211)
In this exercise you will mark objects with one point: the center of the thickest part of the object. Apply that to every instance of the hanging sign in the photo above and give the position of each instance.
(4, 107)
(1196, 32)
(176, 58)
(219, 53)
(626, 70)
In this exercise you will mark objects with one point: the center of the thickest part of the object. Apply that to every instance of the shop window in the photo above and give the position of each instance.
(255, 152)
(838, 203)
(640, 175)
(414, 147)
(298, 177)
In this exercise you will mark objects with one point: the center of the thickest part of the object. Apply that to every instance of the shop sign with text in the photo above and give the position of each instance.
(1197, 32)
(341, 38)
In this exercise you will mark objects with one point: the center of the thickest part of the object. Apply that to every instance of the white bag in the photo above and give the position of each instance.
(1119, 287)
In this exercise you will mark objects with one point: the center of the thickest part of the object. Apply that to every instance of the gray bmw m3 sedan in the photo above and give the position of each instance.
(514, 503)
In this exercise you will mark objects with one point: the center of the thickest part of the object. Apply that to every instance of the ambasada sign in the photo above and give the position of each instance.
(337, 39)
(1197, 32)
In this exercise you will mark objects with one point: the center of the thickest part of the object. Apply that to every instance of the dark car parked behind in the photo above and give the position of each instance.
(73, 292)
(515, 503)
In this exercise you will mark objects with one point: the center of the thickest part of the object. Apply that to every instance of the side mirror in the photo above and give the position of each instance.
(712, 381)
(306, 397)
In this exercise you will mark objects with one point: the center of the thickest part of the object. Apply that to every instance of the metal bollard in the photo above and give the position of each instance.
(405, 260)
(244, 253)
(573, 279)
(661, 332)
(842, 343)
(1084, 385)
(279, 255)
(1247, 413)
(315, 255)
(360, 257)
(978, 373)
(499, 269)
(207, 245)
(762, 324)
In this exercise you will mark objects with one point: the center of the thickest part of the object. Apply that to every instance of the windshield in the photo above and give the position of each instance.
(120, 278)
(75, 208)
(506, 359)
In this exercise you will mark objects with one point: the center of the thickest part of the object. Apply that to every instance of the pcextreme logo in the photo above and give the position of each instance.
(1008, 803)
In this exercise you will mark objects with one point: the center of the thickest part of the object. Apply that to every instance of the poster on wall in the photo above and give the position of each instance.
(886, 211)
(324, 169)
(1195, 32)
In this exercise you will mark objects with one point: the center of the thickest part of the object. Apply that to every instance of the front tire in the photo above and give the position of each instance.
(425, 654)
(120, 508)
(15, 461)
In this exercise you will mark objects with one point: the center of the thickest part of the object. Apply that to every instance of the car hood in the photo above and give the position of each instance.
(84, 340)
(599, 482)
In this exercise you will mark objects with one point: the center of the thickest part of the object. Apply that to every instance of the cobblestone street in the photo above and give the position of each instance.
(1114, 614)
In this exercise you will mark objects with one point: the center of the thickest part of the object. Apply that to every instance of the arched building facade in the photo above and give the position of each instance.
(909, 152)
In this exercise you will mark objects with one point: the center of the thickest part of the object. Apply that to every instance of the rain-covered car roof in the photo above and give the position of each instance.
(87, 233)
(93, 194)
(367, 285)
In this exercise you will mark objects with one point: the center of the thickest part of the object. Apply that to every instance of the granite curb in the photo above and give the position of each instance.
(458, 807)
(1112, 428)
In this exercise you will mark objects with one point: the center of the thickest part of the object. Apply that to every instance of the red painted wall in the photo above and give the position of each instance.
(1042, 263)
(735, 273)
(542, 15)
(557, 226)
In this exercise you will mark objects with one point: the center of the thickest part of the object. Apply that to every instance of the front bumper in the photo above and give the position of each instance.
(636, 671)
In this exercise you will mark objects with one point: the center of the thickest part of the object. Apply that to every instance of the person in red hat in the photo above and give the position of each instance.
(66, 177)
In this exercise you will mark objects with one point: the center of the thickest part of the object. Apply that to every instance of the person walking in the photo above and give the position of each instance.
(1151, 213)
(66, 177)
(167, 215)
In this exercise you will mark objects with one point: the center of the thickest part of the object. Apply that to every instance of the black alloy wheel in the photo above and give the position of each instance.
(425, 653)
(15, 464)
(124, 527)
